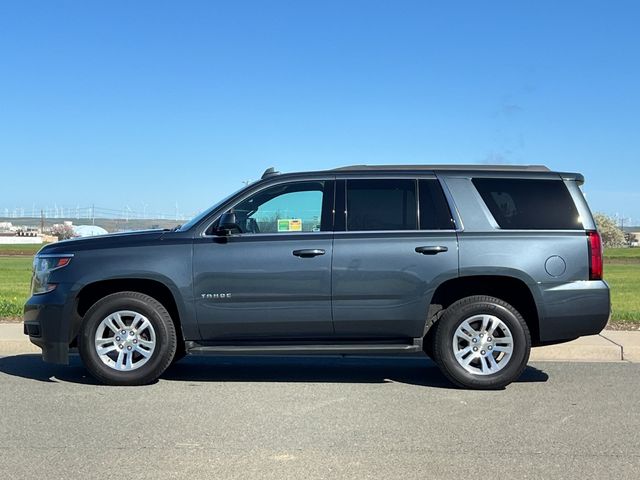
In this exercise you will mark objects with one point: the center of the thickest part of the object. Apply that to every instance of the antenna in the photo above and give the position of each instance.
(269, 172)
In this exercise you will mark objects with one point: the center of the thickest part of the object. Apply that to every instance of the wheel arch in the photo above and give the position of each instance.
(511, 289)
(89, 294)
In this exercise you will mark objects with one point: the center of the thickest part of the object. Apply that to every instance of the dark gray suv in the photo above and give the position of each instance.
(473, 265)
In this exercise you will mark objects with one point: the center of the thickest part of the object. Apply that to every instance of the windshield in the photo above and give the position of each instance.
(205, 213)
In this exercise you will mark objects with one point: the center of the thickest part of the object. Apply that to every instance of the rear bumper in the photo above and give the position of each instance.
(574, 310)
(48, 321)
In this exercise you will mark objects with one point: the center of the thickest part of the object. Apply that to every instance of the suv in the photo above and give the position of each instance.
(473, 265)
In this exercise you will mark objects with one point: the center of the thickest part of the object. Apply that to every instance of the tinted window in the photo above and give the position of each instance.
(381, 205)
(434, 209)
(529, 204)
(286, 208)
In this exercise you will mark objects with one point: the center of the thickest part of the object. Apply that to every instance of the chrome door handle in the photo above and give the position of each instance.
(431, 250)
(308, 253)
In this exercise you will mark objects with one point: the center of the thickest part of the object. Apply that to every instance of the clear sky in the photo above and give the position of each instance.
(147, 104)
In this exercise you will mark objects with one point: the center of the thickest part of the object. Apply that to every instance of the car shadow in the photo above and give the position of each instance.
(419, 371)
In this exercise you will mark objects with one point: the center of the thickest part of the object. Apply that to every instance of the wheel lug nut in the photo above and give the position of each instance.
(490, 347)
(488, 339)
(475, 349)
(482, 352)
(122, 332)
(481, 335)
(120, 346)
(117, 339)
(129, 347)
(475, 340)
(135, 340)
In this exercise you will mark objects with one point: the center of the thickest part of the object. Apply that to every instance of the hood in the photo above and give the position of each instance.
(113, 240)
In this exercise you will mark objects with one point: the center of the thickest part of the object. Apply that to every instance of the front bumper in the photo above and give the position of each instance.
(50, 321)
(574, 309)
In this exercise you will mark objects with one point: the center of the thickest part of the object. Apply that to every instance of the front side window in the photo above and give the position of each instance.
(381, 204)
(286, 208)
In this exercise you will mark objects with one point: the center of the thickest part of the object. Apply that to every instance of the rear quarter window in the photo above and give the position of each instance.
(529, 204)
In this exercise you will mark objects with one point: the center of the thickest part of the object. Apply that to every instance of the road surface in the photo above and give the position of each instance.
(313, 418)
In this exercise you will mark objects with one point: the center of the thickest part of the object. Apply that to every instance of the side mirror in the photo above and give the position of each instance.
(228, 224)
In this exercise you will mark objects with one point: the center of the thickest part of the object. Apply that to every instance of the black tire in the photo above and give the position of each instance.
(464, 309)
(165, 343)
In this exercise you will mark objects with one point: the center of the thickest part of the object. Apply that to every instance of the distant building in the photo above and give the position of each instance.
(88, 230)
(13, 239)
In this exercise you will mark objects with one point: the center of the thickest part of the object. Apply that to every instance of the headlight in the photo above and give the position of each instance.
(43, 265)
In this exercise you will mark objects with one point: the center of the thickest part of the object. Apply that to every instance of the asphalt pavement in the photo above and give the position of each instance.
(313, 418)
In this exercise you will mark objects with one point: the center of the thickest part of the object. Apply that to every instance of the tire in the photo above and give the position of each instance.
(462, 333)
(135, 334)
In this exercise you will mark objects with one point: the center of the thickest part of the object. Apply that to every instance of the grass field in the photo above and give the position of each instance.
(622, 271)
(624, 281)
(19, 249)
(617, 253)
(15, 280)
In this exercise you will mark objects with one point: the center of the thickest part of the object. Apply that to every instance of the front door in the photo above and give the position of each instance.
(271, 276)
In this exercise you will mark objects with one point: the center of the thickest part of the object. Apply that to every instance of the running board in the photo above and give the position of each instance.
(324, 349)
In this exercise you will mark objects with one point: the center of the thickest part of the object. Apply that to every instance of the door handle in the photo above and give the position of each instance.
(308, 253)
(431, 250)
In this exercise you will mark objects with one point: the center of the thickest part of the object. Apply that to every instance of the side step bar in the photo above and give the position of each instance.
(194, 348)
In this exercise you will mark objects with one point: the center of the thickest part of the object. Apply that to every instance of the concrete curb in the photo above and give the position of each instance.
(629, 343)
(594, 348)
(609, 346)
(13, 341)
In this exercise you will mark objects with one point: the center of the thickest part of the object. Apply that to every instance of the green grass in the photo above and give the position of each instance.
(20, 249)
(622, 254)
(624, 279)
(15, 281)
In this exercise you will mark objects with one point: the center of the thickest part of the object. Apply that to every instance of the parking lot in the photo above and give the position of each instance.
(318, 418)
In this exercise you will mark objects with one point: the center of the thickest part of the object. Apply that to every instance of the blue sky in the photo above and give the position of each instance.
(151, 103)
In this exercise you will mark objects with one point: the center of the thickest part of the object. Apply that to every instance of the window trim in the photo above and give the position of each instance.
(458, 225)
(232, 202)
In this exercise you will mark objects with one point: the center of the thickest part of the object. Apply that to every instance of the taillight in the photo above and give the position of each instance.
(595, 256)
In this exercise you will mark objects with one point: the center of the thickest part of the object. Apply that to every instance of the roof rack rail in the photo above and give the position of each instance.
(270, 172)
(454, 167)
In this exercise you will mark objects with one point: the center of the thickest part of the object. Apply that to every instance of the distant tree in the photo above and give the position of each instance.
(62, 231)
(612, 236)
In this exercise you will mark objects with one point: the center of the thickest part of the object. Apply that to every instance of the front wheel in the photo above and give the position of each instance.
(482, 343)
(127, 338)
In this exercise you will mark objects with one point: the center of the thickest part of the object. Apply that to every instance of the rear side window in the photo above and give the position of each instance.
(527, 204)
(388, 204)
(434, 210)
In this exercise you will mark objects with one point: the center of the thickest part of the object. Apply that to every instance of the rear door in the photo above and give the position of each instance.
(395, 242)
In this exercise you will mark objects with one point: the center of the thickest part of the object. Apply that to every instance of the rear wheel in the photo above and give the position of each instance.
(482, 342)
(127, 338)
